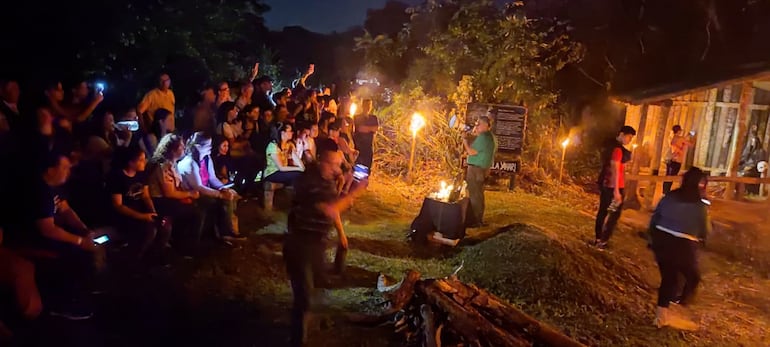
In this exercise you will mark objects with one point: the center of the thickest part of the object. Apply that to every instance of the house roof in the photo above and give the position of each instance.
(699, 82)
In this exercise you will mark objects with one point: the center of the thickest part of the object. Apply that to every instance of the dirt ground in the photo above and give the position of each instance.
(534, 254)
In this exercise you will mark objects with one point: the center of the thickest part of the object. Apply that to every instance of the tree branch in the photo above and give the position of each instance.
(591, 78)
(708, 41)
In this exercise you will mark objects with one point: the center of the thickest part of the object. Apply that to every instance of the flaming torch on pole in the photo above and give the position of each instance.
(418, 122)
(564, 145)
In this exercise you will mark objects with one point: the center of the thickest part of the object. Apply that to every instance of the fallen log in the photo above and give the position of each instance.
(398, 298)
(423, 310)
(511, 317)
(466, 321)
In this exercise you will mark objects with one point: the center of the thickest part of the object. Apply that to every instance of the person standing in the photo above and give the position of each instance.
(315, 210)
(677, 227)
(160, 97)
(481, 154)
(676, 156)
(366, 125)
(611, 185)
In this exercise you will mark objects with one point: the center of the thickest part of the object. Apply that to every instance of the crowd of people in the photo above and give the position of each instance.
(151, 180)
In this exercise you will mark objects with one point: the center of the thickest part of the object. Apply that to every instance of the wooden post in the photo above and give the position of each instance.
(739, 136)
(662, 136)
(632, 188)
(720, 134)
(704, 133)
(739, 141)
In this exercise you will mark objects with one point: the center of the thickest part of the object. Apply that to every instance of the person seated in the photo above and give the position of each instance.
(305, 141)
(198, 174)
(135, 215)
(243, 159)
(48, 232)
(163, 123)
(105, 139)
(284, 162)
(349, 154)
(165, 185)
(222, 160)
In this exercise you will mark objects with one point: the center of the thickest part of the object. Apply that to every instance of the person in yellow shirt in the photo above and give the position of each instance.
(161, 97)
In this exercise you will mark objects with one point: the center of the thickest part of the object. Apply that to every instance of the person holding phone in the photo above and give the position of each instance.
(677, 154)
(47, 231)
(198, 174)
(135, 214)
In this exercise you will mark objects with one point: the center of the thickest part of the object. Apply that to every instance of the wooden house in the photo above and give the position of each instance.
(723, 109)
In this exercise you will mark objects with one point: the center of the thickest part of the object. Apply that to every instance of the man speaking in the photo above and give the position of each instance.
(481, 154)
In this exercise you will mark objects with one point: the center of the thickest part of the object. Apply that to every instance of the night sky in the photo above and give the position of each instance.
(321, 16)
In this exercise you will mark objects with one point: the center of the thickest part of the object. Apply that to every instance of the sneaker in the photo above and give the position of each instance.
(600, 245)
(74, 314)
(233, 238)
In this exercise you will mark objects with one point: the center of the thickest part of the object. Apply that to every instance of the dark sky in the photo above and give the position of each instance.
(322, 16)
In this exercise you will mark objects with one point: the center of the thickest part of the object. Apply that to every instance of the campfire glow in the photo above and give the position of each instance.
(353, 109)
(444, 192)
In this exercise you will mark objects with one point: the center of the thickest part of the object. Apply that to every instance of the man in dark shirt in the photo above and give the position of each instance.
(315, 210)
(62, 249)
(263, 86)
(611, 185)
(366, 125)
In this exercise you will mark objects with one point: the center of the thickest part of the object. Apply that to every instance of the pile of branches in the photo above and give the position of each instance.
(448, 312)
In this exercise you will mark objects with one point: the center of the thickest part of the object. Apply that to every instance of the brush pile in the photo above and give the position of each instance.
(448, 312)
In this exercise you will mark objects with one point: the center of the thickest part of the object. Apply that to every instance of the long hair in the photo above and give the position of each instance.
(276, 130)
(166, 146)
(160, 115)
(195, 140)
(223, 110)
(690, 190)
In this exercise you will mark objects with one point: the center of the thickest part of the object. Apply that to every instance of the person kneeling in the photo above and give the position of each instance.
(135, 215)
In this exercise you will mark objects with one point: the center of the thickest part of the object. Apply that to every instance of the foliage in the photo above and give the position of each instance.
(437, 145)
(463, 51)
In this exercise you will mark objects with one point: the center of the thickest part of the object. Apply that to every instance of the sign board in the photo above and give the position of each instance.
(508, 124)
(501, 166)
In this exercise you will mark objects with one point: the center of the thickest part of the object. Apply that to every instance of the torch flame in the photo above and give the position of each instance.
(418, 122)
(444, 192)
(353, 109)
(565, 143)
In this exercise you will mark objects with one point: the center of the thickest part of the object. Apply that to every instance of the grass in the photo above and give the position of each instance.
(533, 254)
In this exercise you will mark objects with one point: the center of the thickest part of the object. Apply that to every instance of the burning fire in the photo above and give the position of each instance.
(444, 192)
(565, 143)
(418, 122)
(353, 109)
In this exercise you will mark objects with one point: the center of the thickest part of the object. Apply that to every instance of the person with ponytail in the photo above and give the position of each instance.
(678, 227)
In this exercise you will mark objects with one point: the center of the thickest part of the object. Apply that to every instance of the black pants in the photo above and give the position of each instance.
(142, 235)
(306, 265)
(606, 221)
(219, 212)
(67, 277)
(184, 217)
(672, 169)
(475, 178)
(675, 256)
